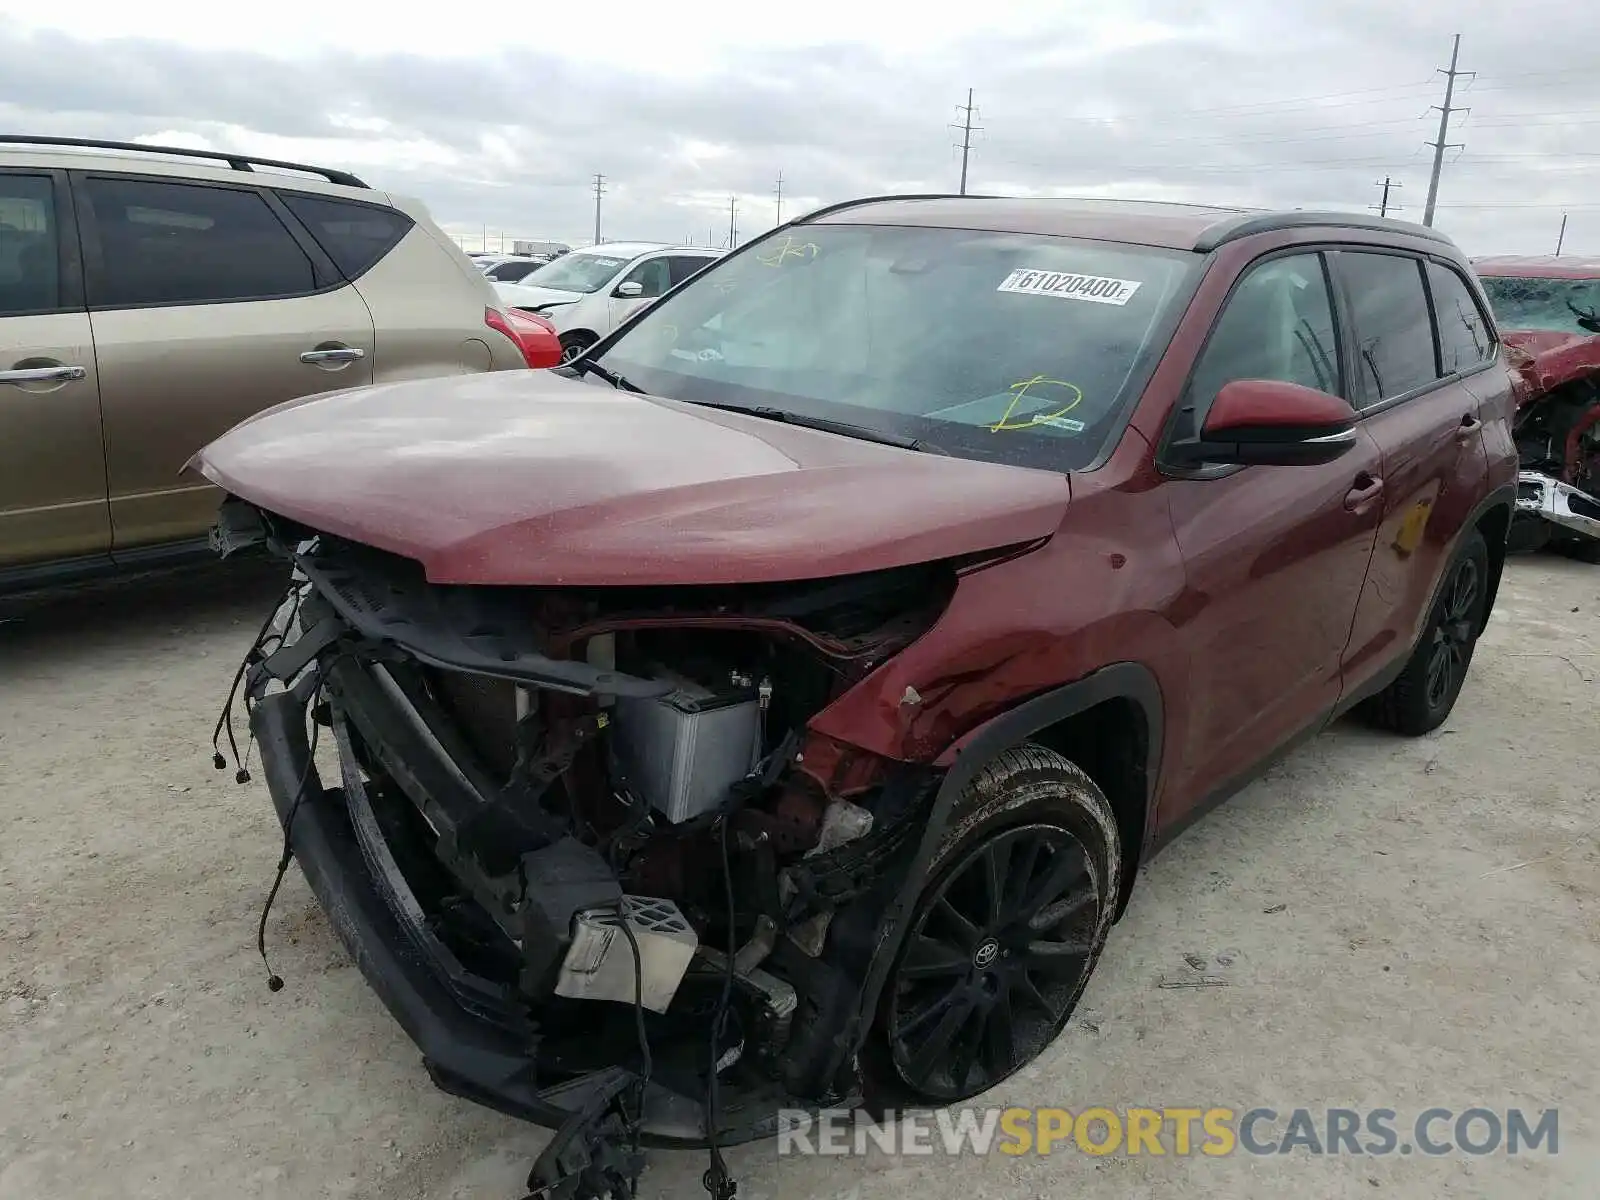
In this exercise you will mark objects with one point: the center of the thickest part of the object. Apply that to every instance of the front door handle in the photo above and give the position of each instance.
(1360, 497)
(44, 375)
(333, 354)
(1468, 427)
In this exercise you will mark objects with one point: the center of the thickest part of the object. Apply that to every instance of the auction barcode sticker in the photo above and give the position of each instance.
(1069, 286)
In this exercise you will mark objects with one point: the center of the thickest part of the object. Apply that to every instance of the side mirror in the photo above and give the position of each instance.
(1262, 422)
(629, 289)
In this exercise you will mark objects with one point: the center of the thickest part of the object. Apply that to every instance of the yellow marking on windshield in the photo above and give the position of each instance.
(786, 248)
(1022, 388)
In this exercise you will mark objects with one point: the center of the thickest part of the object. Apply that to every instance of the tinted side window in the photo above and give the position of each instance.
(1464, 338)
(510, 272)
(1393, 332)
(1277, 324)
(355, 236)
(685, 265)
(175, 243)
(30, 268)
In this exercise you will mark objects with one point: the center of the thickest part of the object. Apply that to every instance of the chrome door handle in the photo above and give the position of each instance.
(44, 375)
(341, 355)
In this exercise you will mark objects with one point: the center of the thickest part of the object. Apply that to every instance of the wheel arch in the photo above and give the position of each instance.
(1123, 699)
(1493, 519)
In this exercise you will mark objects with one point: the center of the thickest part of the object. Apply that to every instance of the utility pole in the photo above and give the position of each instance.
(1440, 146)
(967, 130)
(599, 190)
(1562, 236)
(733, 232)
(780, 199)
(1383, 205)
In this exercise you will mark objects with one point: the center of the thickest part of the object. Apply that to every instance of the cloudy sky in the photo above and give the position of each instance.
(498, 116)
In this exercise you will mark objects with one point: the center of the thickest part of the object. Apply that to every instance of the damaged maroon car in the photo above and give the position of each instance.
(772, 708)
(1549, 307)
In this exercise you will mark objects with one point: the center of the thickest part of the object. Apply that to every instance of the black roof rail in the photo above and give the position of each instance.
(829, 209)
(239, 162)
(1224, 232)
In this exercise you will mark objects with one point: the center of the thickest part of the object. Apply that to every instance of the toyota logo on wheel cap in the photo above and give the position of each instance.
(986, 954)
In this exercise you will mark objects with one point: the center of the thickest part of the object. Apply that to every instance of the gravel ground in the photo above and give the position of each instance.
(1403, 924)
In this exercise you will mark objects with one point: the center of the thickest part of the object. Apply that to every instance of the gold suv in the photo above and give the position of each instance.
(151, 298)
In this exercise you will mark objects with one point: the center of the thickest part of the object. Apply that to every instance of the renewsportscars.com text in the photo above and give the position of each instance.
(1214, 1132)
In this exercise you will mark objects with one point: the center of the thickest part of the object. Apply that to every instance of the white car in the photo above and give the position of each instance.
(588, 293)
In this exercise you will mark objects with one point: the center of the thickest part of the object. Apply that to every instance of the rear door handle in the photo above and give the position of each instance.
(44, 375)
(1469, 426)
(338, 354)
(1363, 494)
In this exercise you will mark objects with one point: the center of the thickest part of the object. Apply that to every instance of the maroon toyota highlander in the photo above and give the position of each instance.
(771, 709)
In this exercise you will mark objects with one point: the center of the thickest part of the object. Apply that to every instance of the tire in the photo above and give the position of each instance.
(980, 987)
(574, 344)
(1420, 700)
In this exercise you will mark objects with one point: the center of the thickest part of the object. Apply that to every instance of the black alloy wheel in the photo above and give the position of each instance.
(996, 954)
(1454, 634)
(1422, 696)
(573, 346)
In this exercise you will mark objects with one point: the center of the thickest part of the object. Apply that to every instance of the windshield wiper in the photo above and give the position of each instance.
(864, 432)
(620, 382)
(1588, 319)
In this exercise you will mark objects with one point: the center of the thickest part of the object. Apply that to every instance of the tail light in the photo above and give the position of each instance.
(534, 336)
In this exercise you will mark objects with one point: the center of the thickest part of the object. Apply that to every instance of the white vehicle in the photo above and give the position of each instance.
(588, 293)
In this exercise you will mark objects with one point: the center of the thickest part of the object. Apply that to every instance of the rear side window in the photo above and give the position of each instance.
(1464, 338)
(685, 265)
(175, 243)
(1393, 331)
(510, 272)
(1277, 324)
(355, 236)
(30, 267)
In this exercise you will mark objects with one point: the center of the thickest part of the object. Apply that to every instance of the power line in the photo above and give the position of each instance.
(967, 130)
(1559, 205)
(1258, 137)
(1259, 108)
(1441, 145)
(599, 190)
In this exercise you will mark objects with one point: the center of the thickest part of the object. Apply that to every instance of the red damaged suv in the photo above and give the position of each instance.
(771, 708)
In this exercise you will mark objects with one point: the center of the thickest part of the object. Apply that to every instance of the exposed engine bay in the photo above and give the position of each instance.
(599, 821)
(1557, 431)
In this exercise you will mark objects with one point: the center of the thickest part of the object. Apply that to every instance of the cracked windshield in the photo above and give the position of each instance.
(1006, 347)
(1559, 305)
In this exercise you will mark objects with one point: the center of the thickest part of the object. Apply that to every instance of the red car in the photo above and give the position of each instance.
(1549, 306)
(796, 682)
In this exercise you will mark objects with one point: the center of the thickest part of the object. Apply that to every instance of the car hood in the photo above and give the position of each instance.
(1544, 359)
(522, 296)
(527, 477)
